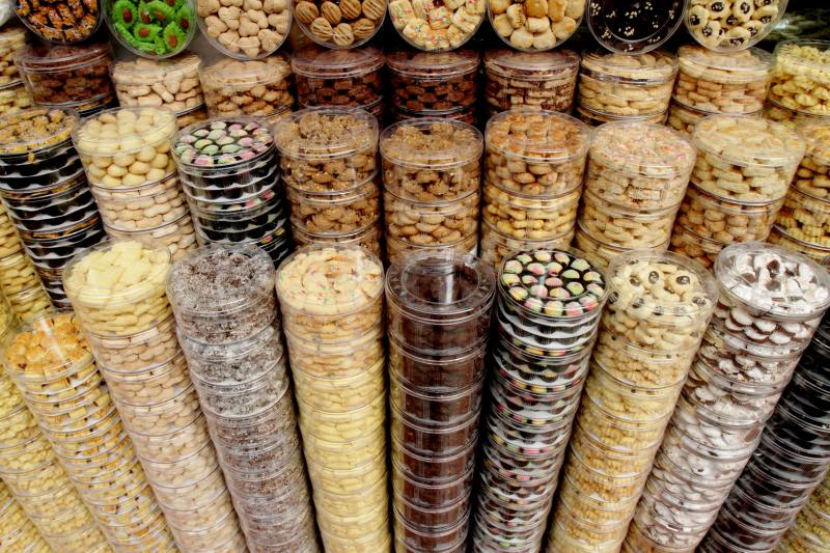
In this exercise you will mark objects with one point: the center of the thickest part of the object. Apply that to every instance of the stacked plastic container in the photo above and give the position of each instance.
(118, 291)
(535, 80)
(811, 531)
(621, 87)
(52, 365)
(549, 305)
(331, 300)
(328, 165)
(432, 181)
(44, 190)
(777, 293)
(803, 223)
(130, 169)
(19, 281)
(743, 171)
(439, 317)
(17, 533)
(637, 177)
(229, 170)
(13, 94)
(225, 308)
(733, 83)
(658, 309)
(801, 71)
(534, 166)
(351, 78)
(434, 85)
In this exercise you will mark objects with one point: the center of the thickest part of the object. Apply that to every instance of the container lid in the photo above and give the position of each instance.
(745, 66)
(774, 280)
(222, 141)
(57, 58)
(535, 66)
(812, 53)
(652, 68)
(322, 63)
(227, 71)
(214, 280)
(152, 30)
(329, 280)
(643, 148)
(749, 140)
(537, 136)
(631, 27)
(326, 133)
(816, 134)
(34, 129)
(553, 283)
(122, 131)
(431, 143)
(433, 65)
(116, 272)
(138, 71)
(441, 286)
(633, 273)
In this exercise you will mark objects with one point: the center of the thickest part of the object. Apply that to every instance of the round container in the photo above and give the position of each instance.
(369, 238)
(426, 439)
(536, 27)
(637, 30)
(434, 223)
(596, 119)
(516, 80)
(343, 78)
(225, 31)
(152, 33)
(747, 26)
(429, 84)
(690, 244)
(341, 28)
(815, 253)
(340, 394)
(172, 83)
(800, 69)
(626, 401)
(625, 227)
(684, 119)
(13, 38)
(36, 156)
(496, 247)
(335, 214)
(459, 24)
(805, 218)
(813, 175)
(529, 218)
(62, 22)
(147, 206)
(257, 88)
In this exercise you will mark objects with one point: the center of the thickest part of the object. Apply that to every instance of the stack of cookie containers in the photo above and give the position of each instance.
(54, 369)
(328, 165)
(171, 83)
(225, 308)
(13, 94)
(537, 80)
(441, 85)
(780, 294)
(801, 70)
(549, 305)
(432, 182)
(534, 165)
(331, 299)
(803, 223)
(614, 87)
(743, 170)
(637, 177)
(340, 78)
(257, 88)
(126, 155)
(811, 530)
(710, 83)
(45, 192)
(19, 281)
(118, 291)
(439, 313)
(18, 533)
(230, 174)
(659, 306)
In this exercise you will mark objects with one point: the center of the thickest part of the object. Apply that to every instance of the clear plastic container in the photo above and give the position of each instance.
(151, 33)
(709, 26)
(813, 175)
(467, 115)
(601, 253)
(800, 70)
(225, 31)
(529, 218)
(625, 400)
(788, 117)
(258, 88)
(596, 119)
(335, 214)
(369, 238)
(429, 84)
(516, 80)
(805, 218)
(67, 76)
(163, 417)
(431, 223)
(495, 247)
(634, 31)
(343, 78)
(62, 22)
(685, 119)
(690, 244)
(172, 83)
(625, 227)
(145, 207)
(535, 153)
(14, 99)
(398, 249)
(13, 38)
(340, 394)
(815, 253)
(536, 27)
(459, 24)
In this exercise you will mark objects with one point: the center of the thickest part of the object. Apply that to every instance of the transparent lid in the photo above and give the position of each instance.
(324, 133)
(215, 279)
(531, 65)
(433, 65)
(152, 30)
(537, 136)
(443, 285)
(321, 63)
(687, 288)
(122, 131)
(223, 141)
(272, 69)
(816, 134)
(745, 66)
(749, 140)
(327, 280)
(775, 280)
(116, 272)
(651, 68)
(138, 71)
(50, 57)
(811, 53)
(431, 142)
(634, 27)
(35, 129)
(643, 148)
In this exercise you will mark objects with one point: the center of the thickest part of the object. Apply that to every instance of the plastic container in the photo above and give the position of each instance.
(549, 26)
(800, 68)
(145, 207)
(495, 247)
(634, 31)
(467, 115)
(710, 29)
(431, 223)
(815, 253)
(425, 439)
(369, 238)
(225, 33)
(341, 29)
(398, 249)
(429, 84)
(170, 32)
(516, 80)
(804, 218)
(685, 119)
(595, 119)
(172, 83)
(556, 143)
(625, 400)
(335, 214)
(813, 172)
(416, 27)
(625, 227)
(258, 88)
(67, 76)
(340, 394)
(71, 24)
(688, 243)
(343, 78)
(13, 38)
(529, 218)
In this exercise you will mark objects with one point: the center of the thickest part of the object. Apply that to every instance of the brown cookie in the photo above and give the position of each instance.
(306, 12)
(331, 12)
(343, 34)
(374, 9)
(322, 29)
(350, 9)
(363, 28)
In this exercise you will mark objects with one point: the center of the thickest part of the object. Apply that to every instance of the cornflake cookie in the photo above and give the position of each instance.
(172, 83)
(731, 25)
(247, 29)
(745, 159)
(346, 24)
(436, 27)
(535, 25)
(259, 88)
